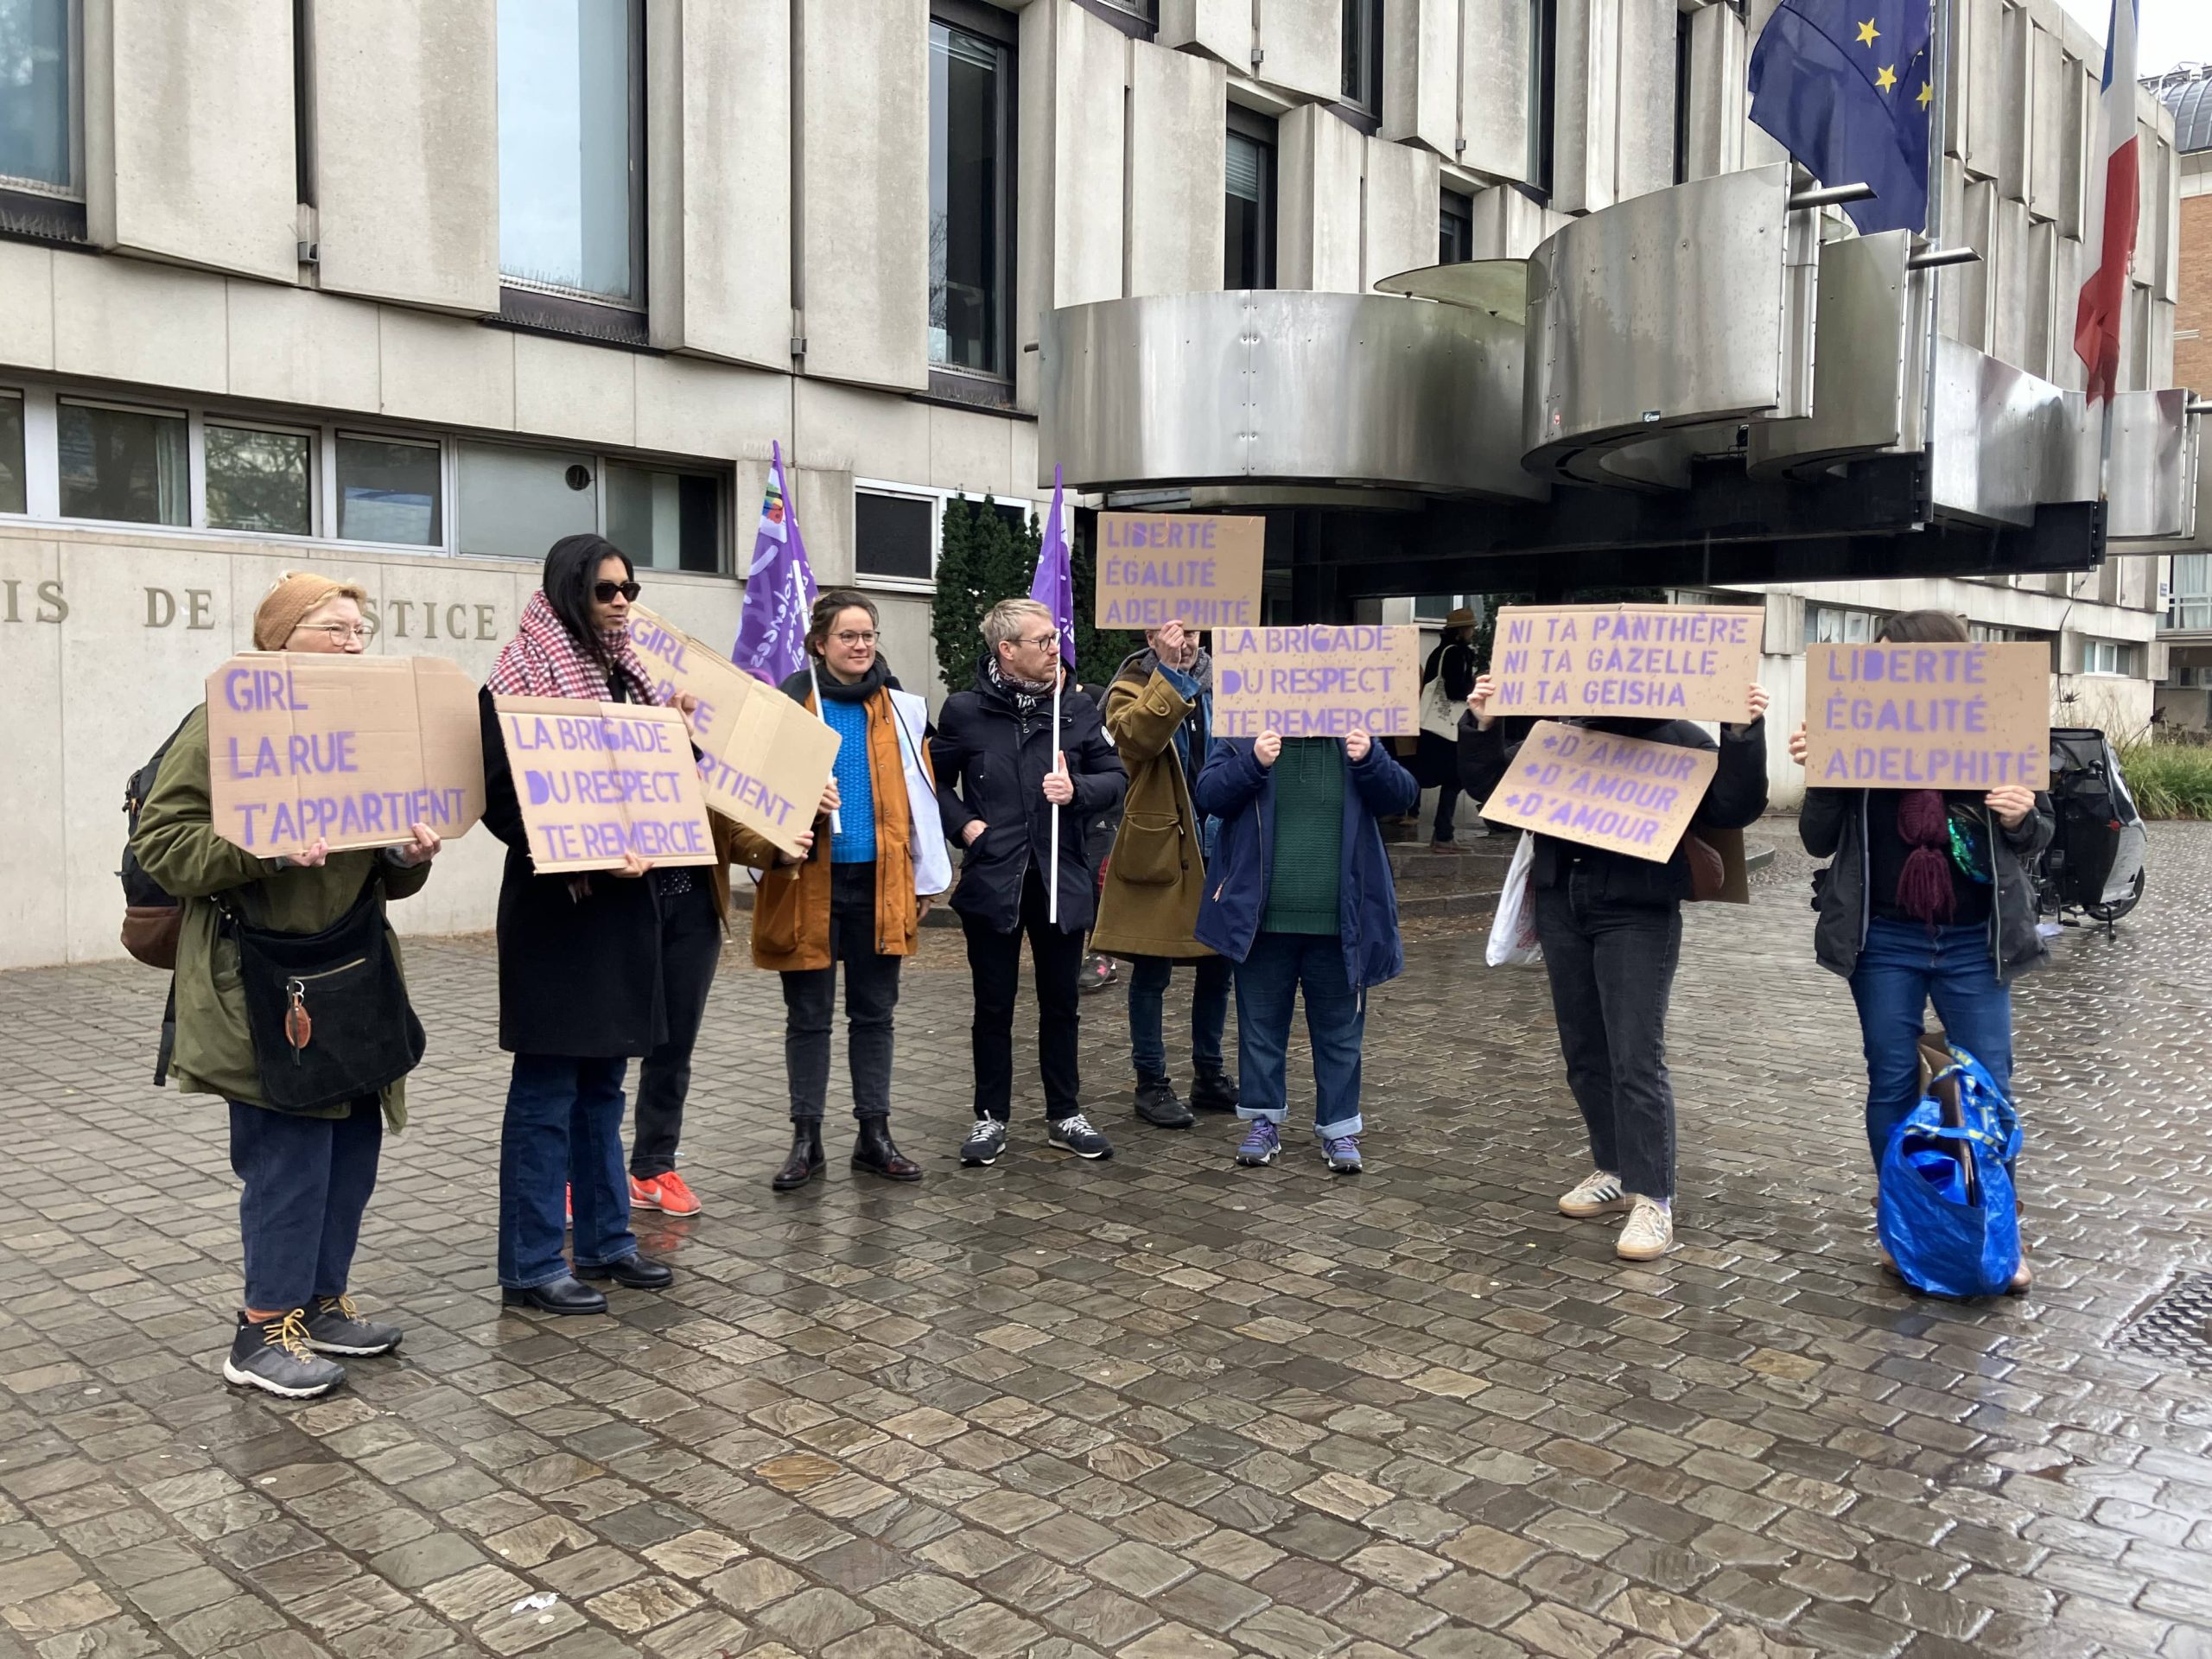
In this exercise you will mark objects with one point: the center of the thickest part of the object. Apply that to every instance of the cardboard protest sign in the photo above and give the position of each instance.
(1624, 794)
(1927, 716)
(1317, 682)
(354, 750)
(596, 780)
(1200, 570)
(1657, 662)
(763, 759)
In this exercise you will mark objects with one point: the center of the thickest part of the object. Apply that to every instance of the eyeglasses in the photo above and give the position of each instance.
(338, 634)
(605, 592)
(1042, 641)
(849, 639)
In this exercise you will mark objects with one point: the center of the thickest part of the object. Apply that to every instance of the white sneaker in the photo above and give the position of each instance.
(1601, 1194)
(1648, 1235)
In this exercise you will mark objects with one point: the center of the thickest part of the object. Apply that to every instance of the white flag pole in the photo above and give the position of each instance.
(1052, 890)
(836, 819)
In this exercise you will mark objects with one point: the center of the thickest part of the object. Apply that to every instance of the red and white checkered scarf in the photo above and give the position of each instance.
(544, 660)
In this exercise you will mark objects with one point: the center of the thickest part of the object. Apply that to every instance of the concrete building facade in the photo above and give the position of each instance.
(2184, 690)
(407, 290)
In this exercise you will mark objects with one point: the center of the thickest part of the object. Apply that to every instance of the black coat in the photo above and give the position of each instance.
(579, 976)
(990, 760)
(1832, 825)
(1735, 797)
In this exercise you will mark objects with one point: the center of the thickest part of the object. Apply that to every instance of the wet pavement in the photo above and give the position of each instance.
(1156, 1407)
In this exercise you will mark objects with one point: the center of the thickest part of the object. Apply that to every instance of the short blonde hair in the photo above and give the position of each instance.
(1004, 622)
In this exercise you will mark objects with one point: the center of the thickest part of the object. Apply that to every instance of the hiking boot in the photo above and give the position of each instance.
(1597, 1194)
(1074, 1134)
(1262, 1141)
(335, 1326)
(273, 1355)
(666, 1194)
(1213, 1091)
(1650, 1233)
(984, 1143)
(1157, 1105)
(1341, 1153)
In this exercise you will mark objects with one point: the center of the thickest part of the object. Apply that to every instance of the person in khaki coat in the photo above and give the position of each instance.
(1159, 717)
(850, 897)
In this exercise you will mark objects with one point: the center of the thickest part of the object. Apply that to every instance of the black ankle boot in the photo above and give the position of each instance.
(872, 1151)
(806, 1160)
(1157, 1104)
(1213, 1091)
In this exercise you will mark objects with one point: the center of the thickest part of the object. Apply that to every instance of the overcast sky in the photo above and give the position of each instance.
(2169, 31)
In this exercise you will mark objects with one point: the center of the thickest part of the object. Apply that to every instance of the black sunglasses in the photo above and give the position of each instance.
(606, 591)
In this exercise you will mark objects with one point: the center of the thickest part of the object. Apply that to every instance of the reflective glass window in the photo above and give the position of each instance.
(36, 95)
(389, 491)
(120, 463)
(664, 520)
(891, 535)
(514, 503)
(12, 489)
(1455, 229)
(260, 481)
(1248, 226)
(969, 171)
(570, 154)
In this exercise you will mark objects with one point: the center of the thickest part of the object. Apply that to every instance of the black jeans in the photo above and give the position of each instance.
(995, 961)
(690, 950)
(871, 998)
(1447, 806)
(1612, 970)
(307, 1179)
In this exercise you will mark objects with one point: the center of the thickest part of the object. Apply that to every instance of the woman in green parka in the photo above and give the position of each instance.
(307, 1175)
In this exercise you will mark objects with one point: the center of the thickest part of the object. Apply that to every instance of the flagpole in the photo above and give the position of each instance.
(1939, 63)
(1052, 899)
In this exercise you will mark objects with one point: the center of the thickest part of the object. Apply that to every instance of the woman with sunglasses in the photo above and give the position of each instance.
(307, 1175)
(850, 898)
(585, 983)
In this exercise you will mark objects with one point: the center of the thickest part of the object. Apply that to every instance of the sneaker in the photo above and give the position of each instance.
(1599, 1194)
(666, 1194)
(1262, 1141)
(335, 1326)
(1342, 1152)
(984, 1142)
(274, 1354)
(1158, 1106)
(1650, 1233)
(1213, 1091)
(1074, 1134)
(1446, 847)
(568, 1207)
(1098, 972)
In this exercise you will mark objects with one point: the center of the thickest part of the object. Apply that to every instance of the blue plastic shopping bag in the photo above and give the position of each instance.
(1947, 1214)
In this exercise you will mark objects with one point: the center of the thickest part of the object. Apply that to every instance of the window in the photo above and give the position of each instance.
(1362, 42)
(121, 463)
(38, 95)
(259, 480)
(1988, 633)
(571, 148)
(664, 520)
(1248, 242)
(893, 536)
(2190, 606)
(971, 178)
(1682, 96)
(389, 490)
(1829, 624)
(2107, 656)
(13, 495)
(1543, 69)
(1455, 229)
(513, 503)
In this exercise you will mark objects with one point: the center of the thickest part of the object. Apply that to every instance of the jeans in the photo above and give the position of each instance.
(995, 962)
(690, 951)
(871, 997)
(1150, 977)
(1612, 970)
(1268, 981)
(1901, 969)
(307, 1179)
(1447, 806)
(563, 1125)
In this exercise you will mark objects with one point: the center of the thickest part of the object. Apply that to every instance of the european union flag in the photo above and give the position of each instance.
(1844, 86)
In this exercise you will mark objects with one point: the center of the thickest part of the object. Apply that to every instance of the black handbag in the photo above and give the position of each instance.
(328, 1012)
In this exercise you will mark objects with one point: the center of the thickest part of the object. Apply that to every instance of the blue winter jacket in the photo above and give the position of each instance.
(1240, 792)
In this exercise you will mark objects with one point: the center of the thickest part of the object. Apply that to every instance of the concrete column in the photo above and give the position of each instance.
(1508, 225)
(1220, 28)
(1496, 74)
(1585, 115)
(1319, 179)
(1179, 117)
(1719, 118)
(1301, 44)
(188, 133)
(407, 151)
(1398, 231)
(1421, 72)
(1644, 156)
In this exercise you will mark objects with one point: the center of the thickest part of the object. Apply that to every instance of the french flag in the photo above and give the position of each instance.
(2111, 207)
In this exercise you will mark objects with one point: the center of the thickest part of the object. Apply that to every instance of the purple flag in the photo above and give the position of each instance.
(1053, 586)
(778, 589)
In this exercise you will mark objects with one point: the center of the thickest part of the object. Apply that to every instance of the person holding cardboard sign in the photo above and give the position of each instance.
(583, 983)
(1610, 927)
(1927, 898)
(308, 1167)
(859, 906)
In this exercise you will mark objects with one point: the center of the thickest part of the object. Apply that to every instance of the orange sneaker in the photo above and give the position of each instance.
(666, 1194)
(568, 1207)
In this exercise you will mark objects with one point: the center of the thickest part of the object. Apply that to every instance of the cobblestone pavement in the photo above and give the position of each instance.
(1159, 1406)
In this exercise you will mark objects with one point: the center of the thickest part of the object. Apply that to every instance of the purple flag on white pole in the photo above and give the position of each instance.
(778, 589)
(1053, 586)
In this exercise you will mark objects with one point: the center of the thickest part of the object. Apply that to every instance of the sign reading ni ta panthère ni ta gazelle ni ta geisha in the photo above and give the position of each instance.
(597, 780)
(1654, 662)
(1317, 682)
(350, 751)
(1944, 716)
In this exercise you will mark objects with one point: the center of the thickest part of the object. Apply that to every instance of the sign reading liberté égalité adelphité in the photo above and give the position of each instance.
(1200, 570)
(1947, 715)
